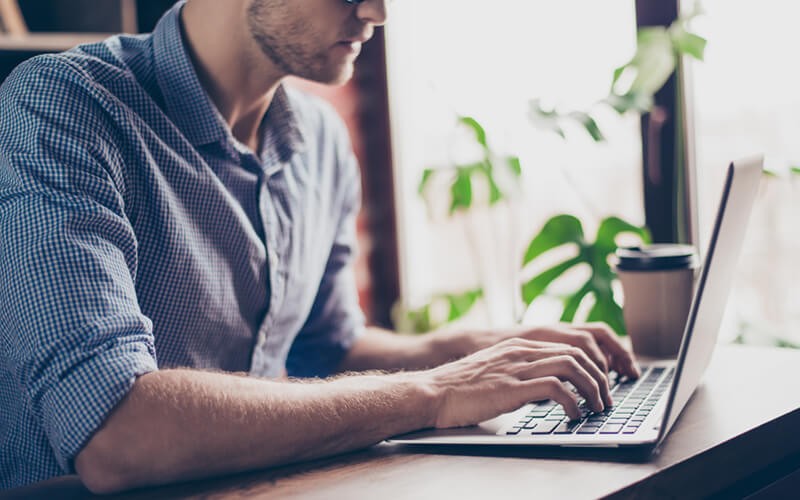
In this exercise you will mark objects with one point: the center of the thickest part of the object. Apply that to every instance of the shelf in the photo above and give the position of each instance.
(48, 42)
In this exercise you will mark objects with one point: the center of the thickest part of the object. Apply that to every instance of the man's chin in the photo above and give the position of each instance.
(337, 77)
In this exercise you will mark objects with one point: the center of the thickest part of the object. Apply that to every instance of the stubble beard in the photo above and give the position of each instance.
(285, 42)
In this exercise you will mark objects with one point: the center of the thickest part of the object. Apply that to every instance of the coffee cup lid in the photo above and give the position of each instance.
(656, 257)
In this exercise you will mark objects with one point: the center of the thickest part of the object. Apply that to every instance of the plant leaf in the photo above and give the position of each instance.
(794, 170)
(557, 231)
(786, 344)
(480, 133)
(495, 194)
(687, 43)
(539, 283)
(416, 321)
(567, 229)
(618, 73)
(460, 304)
(611, 227)
(771, 174)
(654, 60)
(515, 165)
(461, 191)
(421, 320)
(486, 168)
(426, 177)
(607, 310)
(632, 101)
(547, 120)
(574, 301)
(589, 124)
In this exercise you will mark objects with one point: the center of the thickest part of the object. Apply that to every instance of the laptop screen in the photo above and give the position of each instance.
(711, 293)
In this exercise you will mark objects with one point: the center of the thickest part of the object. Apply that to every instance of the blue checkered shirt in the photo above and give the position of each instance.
(136, 234)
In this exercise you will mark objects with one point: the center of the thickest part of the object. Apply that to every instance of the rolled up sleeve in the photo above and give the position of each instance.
(71, 331)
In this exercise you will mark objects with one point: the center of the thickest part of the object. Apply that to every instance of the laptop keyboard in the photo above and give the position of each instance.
(634, 399)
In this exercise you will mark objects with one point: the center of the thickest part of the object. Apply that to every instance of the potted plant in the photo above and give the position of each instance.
(658, 54)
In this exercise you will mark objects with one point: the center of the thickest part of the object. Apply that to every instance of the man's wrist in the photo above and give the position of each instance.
(423, 395)
(412, 395)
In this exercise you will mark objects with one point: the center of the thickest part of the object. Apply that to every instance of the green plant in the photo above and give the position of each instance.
(463, 176)
(564, 230)
(633, 86)
(461, 180)
(632, 89)
(442, 309)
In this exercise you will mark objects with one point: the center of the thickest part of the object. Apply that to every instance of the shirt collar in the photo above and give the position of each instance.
(192, 110)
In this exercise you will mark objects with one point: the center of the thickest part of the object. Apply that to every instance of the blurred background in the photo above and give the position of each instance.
(440, 60)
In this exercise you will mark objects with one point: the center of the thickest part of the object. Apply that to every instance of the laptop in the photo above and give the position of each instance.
(644, 409)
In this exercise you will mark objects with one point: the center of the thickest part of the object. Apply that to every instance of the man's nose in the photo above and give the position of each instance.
(372, 11)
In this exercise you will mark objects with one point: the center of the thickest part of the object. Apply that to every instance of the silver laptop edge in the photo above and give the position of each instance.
(713, 286)
(700, 337)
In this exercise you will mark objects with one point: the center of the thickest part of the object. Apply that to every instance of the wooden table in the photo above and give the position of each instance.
(738, 434)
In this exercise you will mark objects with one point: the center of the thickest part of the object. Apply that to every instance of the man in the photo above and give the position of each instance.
(174, 218)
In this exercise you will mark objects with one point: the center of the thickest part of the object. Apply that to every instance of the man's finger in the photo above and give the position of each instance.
(553, 388)
(565, 334)
(622, 358)
(566, 367)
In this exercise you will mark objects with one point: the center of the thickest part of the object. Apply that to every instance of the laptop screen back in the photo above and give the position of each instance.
(711, 295)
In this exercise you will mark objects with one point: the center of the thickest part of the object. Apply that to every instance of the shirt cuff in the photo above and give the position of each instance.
(80, 402)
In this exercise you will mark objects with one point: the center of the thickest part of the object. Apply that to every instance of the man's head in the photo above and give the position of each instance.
(317, 40)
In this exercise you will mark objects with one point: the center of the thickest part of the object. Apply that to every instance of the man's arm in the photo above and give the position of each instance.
(379, 349)
(382, 350)
(179, 425)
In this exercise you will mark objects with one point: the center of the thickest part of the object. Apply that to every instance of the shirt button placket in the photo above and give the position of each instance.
(264, 352)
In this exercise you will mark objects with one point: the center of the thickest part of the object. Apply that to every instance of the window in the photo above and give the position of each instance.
(747, 102)
(487, 60)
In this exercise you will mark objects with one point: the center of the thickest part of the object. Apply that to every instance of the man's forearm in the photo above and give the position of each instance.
(179, 424)
(383, 350)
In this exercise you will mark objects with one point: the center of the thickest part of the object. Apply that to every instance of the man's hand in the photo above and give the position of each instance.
(505, 376)
(596, 340)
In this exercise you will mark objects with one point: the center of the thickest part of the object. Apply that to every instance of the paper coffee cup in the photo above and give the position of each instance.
(658, 285)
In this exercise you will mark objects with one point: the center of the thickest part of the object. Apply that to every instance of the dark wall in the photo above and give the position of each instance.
(150, 11)
(88, 15)
(78, 16)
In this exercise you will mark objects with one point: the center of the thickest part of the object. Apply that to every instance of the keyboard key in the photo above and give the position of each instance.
(513, 432)
(531, 424)
(546, 427)
(611, 429)
(630, 430)
(566, 427)
(588, 430)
